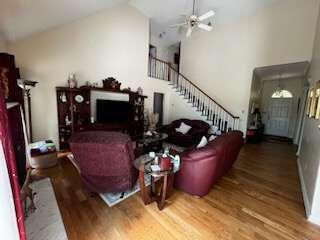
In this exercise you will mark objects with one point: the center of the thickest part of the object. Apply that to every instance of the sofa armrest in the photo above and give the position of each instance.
(194, 154)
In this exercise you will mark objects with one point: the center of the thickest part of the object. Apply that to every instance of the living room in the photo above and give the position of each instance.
(95, 91)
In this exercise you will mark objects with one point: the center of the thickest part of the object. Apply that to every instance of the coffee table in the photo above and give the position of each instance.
(153, 143)
(161, 181)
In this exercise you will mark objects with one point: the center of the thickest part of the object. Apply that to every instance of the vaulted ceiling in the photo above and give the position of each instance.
(164, 13)
(20, 18)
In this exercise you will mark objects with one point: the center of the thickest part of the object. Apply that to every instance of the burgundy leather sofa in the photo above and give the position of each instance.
(201, 168)
(104, 160)
(192, 137)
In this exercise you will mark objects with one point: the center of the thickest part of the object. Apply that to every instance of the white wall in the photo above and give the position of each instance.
(3, 45)
(8, 220)
(222, 61)
(309, 158)
(113, 42)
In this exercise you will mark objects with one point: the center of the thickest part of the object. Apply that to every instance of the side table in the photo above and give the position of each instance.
(158, 191)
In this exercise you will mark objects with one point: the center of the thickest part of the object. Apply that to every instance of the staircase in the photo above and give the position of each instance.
(212, 111)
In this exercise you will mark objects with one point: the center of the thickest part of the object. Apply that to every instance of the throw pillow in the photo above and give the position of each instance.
(203, 142)
(213, 129)
(184, 128)
(212, 137)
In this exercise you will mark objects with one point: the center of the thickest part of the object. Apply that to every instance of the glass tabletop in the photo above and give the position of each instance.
(154, 138)
(144, 162)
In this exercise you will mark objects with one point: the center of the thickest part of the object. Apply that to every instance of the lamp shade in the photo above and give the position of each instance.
(26, 84)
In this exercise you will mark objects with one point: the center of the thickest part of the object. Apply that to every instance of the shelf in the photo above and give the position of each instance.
(98, 89)
(67, 89)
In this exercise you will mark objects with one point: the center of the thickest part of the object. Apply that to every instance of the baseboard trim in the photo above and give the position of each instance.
(311, 217)
(304, 191)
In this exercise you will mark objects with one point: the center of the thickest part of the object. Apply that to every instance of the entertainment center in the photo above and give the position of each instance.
(94, 108)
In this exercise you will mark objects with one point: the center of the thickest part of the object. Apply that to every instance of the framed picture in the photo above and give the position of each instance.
(317, 100)
(308, 109)
(313, 104)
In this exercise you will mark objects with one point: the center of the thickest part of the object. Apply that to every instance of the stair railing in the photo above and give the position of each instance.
(207, 106)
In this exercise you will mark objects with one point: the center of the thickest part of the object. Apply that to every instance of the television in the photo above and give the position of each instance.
(112, 111)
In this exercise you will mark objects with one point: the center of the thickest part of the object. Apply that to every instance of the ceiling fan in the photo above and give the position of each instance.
(194, 21)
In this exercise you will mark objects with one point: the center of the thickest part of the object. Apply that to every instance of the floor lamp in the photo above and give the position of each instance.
(27, 85)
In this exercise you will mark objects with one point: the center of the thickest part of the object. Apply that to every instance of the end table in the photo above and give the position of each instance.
(164, 179)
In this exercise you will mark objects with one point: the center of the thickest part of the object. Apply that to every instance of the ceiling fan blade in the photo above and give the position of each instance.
(178, 25)
(189, 31)
(205, 27)
(206, 15)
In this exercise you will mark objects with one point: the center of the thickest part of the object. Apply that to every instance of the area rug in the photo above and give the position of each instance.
(45, 223)
(112, 199)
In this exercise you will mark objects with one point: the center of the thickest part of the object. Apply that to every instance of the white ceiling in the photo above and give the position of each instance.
(283, 71)
(20, 18)
(164, 13)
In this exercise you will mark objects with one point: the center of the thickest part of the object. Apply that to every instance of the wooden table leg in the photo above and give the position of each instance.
(145, 193)
(162, 200)
(170, 185)
(153, 190)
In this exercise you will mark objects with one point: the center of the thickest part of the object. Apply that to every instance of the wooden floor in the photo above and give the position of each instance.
(260, 198)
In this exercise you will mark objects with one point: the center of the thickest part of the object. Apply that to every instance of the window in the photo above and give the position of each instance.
(281, 94)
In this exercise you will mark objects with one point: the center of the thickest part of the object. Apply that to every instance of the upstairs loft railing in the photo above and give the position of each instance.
(208, 107)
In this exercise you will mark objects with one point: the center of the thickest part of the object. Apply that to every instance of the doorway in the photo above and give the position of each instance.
(275, 102)
(278, 116)
(158, 106)
(152, 51)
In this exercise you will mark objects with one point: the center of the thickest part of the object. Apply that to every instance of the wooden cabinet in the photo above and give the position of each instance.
(74, 112)
(8, 79)
(137, 102)
(14, 98)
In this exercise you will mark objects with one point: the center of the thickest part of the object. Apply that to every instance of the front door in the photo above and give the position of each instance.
(278, 117)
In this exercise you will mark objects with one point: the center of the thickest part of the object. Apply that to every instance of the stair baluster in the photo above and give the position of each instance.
(203, 103)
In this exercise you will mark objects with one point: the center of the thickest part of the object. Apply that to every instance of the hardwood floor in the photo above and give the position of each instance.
(260, 198)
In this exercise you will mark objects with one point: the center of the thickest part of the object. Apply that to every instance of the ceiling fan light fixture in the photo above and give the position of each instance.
(194, 21)
(207, 15)
(205, 27)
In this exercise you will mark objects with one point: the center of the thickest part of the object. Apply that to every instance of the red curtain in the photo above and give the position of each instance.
(5, 138)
